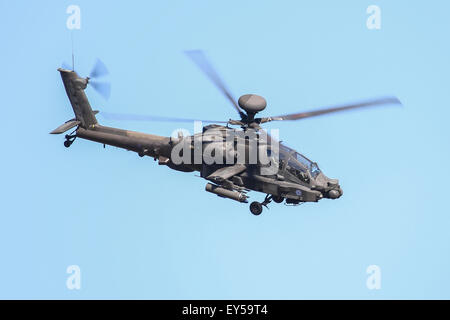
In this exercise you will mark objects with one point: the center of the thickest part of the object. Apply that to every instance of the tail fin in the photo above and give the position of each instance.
(84, 116)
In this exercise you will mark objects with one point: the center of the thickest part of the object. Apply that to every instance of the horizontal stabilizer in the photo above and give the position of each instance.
(66, 126)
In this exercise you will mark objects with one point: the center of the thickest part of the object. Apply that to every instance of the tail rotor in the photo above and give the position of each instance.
(102, 87)
(98, 70)
(66, 66)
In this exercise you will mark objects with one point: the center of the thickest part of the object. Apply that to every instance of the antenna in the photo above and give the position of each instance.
(73, 57)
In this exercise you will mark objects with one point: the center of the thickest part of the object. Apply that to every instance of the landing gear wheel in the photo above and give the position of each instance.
(256, 208)
(70, 138)
(278, 199)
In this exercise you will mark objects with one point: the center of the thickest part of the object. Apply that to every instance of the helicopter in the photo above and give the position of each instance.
(236, 147)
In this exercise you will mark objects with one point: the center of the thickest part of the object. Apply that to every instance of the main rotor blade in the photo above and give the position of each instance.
(199, 58)
(139, 117)
(318, 112)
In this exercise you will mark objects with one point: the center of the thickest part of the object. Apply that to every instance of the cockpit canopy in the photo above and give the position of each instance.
(298, 161)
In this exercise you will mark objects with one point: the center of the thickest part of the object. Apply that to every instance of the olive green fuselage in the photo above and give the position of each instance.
(292, 177)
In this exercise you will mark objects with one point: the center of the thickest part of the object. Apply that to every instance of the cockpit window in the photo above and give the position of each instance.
(299, 162)
(303, 160)
(315, 170)
(296, 165)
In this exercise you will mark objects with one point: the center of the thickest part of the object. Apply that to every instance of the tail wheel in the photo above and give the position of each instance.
(256, 208)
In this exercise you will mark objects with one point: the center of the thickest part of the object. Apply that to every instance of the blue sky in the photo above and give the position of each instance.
(138, 230)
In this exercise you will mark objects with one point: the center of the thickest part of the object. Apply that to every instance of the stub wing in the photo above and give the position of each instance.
(225, 173)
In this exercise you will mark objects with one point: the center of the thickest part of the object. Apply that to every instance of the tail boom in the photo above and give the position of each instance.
(143, 144)
(89, 129)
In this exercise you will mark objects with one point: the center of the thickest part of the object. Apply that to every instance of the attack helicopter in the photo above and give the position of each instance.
(285, 175)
